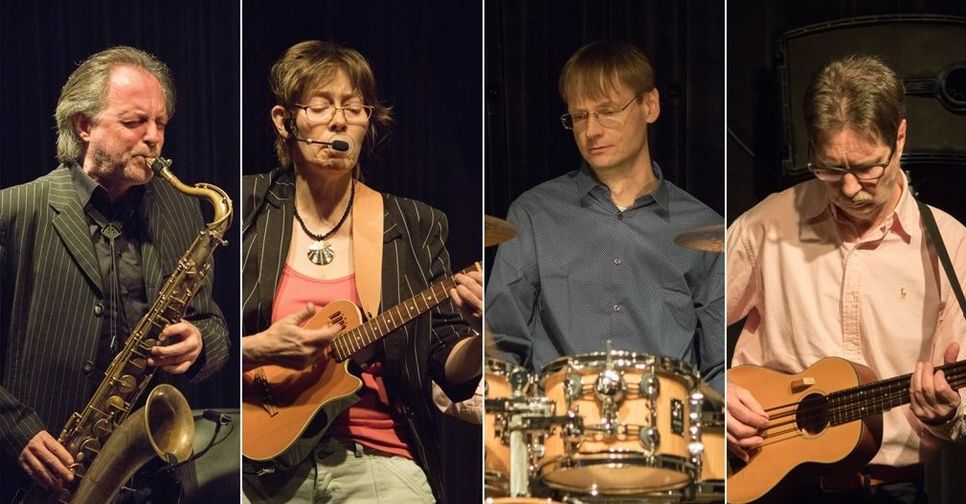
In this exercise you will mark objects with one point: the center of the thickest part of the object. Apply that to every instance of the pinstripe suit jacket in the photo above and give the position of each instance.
(52, 294)
(414, 256)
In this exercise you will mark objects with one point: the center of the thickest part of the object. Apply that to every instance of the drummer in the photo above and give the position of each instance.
(594, 257)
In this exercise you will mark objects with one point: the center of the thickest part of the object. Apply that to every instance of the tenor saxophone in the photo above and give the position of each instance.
(109, 443)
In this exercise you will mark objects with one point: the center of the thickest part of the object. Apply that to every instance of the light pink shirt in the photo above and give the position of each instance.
(810, 290)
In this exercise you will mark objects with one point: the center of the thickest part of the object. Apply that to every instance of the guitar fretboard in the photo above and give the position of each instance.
(878, 397)
(348, 343)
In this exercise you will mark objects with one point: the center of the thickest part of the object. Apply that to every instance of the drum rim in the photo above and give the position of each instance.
(708, 490)
(496, 481)
(676, 463)
(501, 367)
(635, 360)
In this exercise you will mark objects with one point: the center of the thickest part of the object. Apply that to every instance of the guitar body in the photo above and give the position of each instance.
(279, 404)
(777, 466)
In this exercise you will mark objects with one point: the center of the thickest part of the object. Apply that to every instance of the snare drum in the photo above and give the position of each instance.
(505, 384)
(634, 432)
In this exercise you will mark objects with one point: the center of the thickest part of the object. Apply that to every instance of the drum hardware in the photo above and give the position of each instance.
(696, 447)
(573, 388)
(709, 486)
(627, 445)
(650, 438)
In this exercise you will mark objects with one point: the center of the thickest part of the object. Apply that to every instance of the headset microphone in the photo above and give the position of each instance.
(339, 145)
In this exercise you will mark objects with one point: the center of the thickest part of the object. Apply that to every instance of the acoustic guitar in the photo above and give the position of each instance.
(824, 419)
(279, 404)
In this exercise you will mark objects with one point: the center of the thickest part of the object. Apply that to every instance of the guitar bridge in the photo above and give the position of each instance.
(802, 384)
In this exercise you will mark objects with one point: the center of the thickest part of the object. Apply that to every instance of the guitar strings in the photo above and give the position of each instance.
(841, 408)
(838, 403)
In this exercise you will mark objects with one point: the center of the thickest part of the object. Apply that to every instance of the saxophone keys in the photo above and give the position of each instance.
(89, 447)
(102, 427)
(117, 403)
(126, 383)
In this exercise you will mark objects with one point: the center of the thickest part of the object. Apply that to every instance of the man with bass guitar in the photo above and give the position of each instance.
(843, 266)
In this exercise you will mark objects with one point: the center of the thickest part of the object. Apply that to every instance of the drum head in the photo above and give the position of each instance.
(613, 473)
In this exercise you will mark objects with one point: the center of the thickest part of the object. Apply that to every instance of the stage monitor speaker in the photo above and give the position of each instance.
(927, 51)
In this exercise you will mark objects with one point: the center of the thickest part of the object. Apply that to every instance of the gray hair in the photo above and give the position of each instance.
(858, 92)
(86, 93)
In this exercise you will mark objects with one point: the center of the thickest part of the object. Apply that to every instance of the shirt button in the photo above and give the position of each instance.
(617, 261)
(620, 216)
(98, 309)
(617, 307)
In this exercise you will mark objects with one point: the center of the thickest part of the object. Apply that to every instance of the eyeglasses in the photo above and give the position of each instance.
(864, 173)
(324, 113)
(607, 117)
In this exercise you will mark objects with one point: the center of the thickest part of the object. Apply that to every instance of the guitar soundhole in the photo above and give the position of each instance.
(812, 413)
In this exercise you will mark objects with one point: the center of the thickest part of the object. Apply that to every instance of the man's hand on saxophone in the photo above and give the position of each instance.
(182, 347)
(46, 461)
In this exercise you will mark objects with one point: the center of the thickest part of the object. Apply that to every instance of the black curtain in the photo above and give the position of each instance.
(41, 44)
(427, 62)
(527, 44)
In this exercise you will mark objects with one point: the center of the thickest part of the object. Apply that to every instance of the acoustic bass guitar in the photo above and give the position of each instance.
(824, 419)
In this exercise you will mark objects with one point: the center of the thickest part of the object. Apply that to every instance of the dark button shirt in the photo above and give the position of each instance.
(122, 274)
(581, 271)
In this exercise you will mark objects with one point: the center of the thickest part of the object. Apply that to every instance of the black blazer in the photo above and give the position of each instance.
(414, 256)
(52, 300)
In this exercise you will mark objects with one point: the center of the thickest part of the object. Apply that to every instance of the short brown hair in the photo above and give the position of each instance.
(596, 67)
(86, 93)
(313, 63)
(856, 92)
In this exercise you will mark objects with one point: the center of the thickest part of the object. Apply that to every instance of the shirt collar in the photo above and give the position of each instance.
(589, 189)
(904, 217)
(90, 194)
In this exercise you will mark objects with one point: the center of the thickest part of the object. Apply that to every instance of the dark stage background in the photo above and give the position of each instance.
(427, 62)
(755, 120)
(527, 44)
(41, 44)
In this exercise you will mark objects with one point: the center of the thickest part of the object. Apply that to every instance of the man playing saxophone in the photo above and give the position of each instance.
(83, 253)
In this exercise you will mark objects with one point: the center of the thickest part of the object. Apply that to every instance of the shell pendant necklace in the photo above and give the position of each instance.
(320, 252)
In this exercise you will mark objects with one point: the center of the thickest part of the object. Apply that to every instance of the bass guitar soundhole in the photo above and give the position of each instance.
(812, 414)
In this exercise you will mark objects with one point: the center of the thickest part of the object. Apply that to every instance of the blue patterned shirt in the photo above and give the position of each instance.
(581, 271)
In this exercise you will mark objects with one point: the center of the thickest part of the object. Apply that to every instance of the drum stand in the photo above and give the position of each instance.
(528, 420)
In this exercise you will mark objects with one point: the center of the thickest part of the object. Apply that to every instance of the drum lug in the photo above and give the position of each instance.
(519, 380)
(696, 445)
(650, 386)
(650, 438)
(573, 387)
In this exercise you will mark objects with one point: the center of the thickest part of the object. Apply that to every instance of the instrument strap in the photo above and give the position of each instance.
(937, 240)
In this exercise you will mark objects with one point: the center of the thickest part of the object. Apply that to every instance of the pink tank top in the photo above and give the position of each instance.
(369, 422)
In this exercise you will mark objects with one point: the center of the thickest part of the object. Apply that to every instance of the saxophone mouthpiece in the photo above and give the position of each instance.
(157, 164)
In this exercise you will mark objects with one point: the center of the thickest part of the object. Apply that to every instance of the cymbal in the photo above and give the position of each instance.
(708, 238)
(496, 231)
